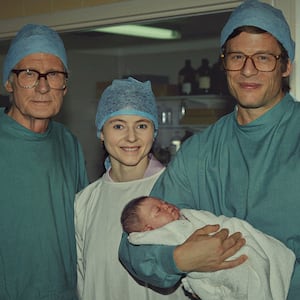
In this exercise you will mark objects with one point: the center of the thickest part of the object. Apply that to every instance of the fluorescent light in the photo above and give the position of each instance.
(141, 31)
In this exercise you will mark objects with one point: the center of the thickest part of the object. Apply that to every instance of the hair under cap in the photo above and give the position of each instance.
(33, 38)
(126, 97)
(264, 16)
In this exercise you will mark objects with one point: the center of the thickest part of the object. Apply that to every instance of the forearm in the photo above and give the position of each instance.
(152, 264)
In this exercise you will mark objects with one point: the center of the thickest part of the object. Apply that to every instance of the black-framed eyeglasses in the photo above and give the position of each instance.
(263, 62)
(28, 78)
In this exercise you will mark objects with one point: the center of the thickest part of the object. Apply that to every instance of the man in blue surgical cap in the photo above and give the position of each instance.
(246, 165)
(42, 167)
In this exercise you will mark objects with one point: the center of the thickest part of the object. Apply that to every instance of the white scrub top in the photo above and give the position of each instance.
(98, 232)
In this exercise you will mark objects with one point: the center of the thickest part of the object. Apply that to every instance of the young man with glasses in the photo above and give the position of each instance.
(246, 165)
(42, 168)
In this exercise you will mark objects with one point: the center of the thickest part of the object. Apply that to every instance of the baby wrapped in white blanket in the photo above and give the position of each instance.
(264, 276)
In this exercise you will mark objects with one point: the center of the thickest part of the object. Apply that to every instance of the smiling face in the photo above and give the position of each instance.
(255, 91)
(40, 103)
(128, 140)
(156, 213)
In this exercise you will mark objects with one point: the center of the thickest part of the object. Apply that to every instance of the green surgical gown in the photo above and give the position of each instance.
(39, 176)
(251, 172)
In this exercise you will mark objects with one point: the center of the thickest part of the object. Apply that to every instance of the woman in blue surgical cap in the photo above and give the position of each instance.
(127, 125)
(41, 169)
(246, 165)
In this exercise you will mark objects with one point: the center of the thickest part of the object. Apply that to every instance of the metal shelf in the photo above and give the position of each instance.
(209, 100)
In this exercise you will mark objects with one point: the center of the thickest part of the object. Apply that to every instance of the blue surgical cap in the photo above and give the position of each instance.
(264, 16)
(31, 39)
(126, 97)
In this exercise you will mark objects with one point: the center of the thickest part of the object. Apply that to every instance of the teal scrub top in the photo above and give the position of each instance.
(247, 171)
(39, 176)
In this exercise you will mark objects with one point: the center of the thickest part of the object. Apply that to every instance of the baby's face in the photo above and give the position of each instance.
(156, 213)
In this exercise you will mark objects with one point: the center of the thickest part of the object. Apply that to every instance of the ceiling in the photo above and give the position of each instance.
(192, 28)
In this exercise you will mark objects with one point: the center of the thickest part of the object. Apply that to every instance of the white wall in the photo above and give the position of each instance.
(81, 101)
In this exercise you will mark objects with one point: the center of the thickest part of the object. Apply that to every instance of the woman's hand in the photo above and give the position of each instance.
(208, 249)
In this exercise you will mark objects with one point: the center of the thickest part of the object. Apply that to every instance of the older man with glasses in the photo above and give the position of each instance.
(41, 169)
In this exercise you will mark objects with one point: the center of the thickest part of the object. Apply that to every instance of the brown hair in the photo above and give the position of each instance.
(130, 219)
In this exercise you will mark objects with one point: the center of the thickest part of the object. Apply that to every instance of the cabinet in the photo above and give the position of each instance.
(182, 116)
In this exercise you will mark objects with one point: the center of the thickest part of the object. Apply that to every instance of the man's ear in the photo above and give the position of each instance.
(288, 70)
(8, 86)
(65, 90)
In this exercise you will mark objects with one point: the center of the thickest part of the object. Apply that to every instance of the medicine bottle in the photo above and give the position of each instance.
(204, 77)
(187, 79)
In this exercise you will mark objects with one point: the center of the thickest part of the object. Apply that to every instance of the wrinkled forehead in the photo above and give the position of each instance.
(40, 59)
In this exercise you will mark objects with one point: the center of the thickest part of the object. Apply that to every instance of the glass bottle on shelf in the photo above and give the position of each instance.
(187, 79)
(218, 79)
(182, 110)
(165, 115)
(175, 143)
(204, 77)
